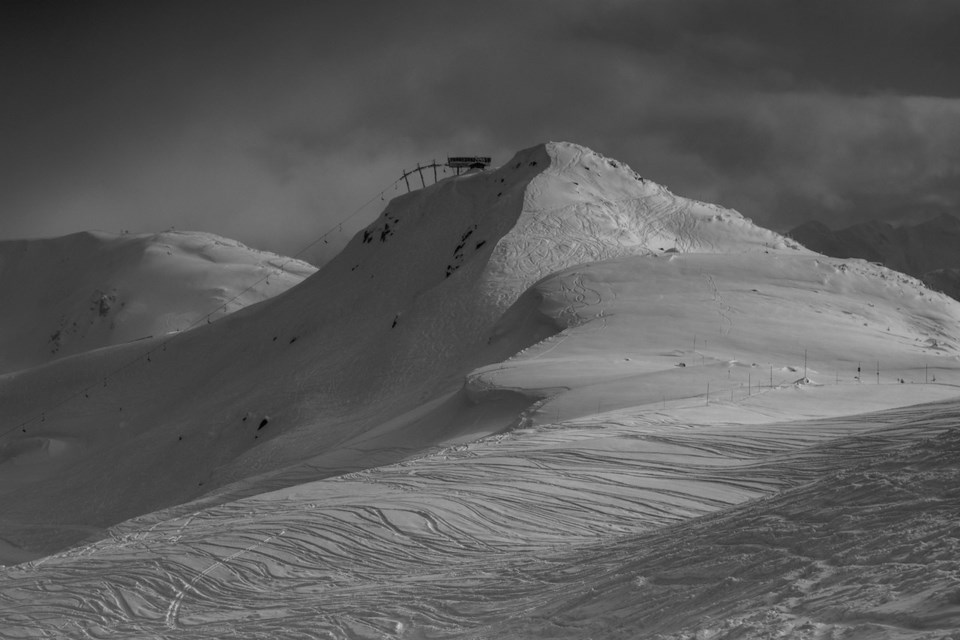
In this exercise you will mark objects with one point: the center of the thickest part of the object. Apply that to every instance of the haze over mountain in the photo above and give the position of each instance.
(547, 400)
(926, 249)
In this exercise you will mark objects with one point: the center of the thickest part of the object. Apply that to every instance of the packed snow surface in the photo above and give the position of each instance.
(548, 400)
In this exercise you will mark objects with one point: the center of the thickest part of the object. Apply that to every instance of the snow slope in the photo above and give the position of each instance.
(550, 400)
(67, 295)
(393, 322)
(570, 531)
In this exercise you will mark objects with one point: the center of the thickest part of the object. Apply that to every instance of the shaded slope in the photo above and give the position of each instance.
(381, 329)
(64, 296)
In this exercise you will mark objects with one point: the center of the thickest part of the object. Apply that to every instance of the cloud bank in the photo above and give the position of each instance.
(269, 122)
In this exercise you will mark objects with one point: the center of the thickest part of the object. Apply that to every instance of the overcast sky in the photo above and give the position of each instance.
(265, 121)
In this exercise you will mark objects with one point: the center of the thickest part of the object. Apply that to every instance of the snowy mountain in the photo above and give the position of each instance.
(84, 291)
(549, 400)
(925, 249)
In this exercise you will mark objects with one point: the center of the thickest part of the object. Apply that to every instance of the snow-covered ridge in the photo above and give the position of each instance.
(364, 362)
(585, 207)
(510, 387)
(71, 294)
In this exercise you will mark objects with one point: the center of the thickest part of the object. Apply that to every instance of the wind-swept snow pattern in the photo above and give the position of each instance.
(549, 400)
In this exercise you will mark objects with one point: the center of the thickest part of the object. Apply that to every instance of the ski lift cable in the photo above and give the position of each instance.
(162, 344)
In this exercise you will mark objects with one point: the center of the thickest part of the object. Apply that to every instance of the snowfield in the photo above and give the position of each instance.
(552, 400)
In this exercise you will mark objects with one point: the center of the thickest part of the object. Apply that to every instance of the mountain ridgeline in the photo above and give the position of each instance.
(925, 250)
(551, 399)
(373, 358)
(354, 353)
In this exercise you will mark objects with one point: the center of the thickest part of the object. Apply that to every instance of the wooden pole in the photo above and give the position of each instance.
(420, 171)
(405, 174)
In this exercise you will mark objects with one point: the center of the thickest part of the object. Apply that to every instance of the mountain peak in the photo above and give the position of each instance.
(584, 207)
(414, 303)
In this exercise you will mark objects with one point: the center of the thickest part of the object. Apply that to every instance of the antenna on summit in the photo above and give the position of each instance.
(457, 163)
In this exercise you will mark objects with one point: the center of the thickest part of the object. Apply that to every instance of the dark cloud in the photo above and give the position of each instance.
(843, 46)
(270, 121)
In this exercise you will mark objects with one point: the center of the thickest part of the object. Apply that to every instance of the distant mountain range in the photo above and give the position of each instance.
(929, 250)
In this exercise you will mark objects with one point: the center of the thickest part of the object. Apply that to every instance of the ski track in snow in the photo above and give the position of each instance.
(173, 610)
(471, 536)
(637, 522)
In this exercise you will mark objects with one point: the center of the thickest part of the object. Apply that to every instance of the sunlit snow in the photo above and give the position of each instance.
(547, 400)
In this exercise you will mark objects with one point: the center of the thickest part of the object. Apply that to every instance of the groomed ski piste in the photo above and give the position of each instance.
(551, 400)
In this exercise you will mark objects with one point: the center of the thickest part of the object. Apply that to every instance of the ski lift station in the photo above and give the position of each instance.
(457, 163)
(468, 162)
